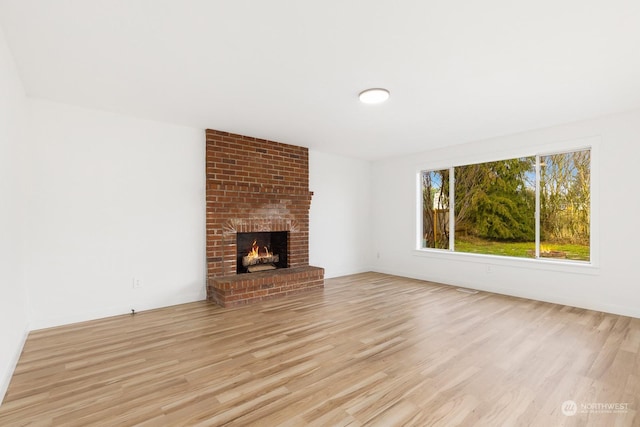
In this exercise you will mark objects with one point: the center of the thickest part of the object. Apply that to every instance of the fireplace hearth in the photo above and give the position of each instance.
(258, 202)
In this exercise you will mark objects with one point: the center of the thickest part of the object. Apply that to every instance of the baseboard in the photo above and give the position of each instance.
(116, 310)
(340, 273)
(6, 379)
(588, 305)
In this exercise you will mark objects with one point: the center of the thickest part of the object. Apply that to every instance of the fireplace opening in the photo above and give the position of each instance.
(261, 251)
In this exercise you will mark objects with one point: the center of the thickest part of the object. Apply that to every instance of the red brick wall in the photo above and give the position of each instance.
(254, 185)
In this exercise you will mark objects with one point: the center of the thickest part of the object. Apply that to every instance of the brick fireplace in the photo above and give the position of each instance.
(257, 186)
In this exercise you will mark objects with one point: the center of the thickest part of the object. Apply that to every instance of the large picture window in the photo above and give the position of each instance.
(490, 208)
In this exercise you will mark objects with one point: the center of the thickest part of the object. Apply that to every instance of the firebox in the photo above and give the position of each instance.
(261, 251)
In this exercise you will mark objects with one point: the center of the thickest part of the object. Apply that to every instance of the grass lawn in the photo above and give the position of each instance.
(521, 249)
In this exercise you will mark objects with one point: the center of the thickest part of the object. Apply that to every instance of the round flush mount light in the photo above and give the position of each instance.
(373, 96)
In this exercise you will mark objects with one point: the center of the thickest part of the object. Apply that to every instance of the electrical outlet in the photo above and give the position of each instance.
(137, 282)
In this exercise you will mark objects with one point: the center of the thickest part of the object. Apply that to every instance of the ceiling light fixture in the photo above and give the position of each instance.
(373, 96)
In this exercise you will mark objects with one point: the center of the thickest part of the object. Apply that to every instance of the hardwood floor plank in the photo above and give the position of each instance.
(368, 349)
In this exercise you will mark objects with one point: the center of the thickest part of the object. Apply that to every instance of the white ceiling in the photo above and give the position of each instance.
(290, 70)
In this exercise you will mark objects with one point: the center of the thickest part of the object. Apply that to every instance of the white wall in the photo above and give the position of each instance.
(339, 223)
(610, 286)
(14, 322)
(112, 198)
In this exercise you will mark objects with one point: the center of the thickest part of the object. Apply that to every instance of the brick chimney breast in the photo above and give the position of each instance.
(255, 185)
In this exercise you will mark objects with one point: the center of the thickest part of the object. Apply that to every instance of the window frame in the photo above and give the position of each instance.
(586, 267)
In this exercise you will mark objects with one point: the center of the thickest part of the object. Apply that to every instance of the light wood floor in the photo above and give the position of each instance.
(369, 349)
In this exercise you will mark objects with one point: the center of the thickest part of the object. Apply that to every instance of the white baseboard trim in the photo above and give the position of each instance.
(340, 273)
(6, 378)
(520, 293)
(44, 323)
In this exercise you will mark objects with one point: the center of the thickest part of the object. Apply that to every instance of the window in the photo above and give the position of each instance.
(490, 208)
(435, 202)
(565, 205)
